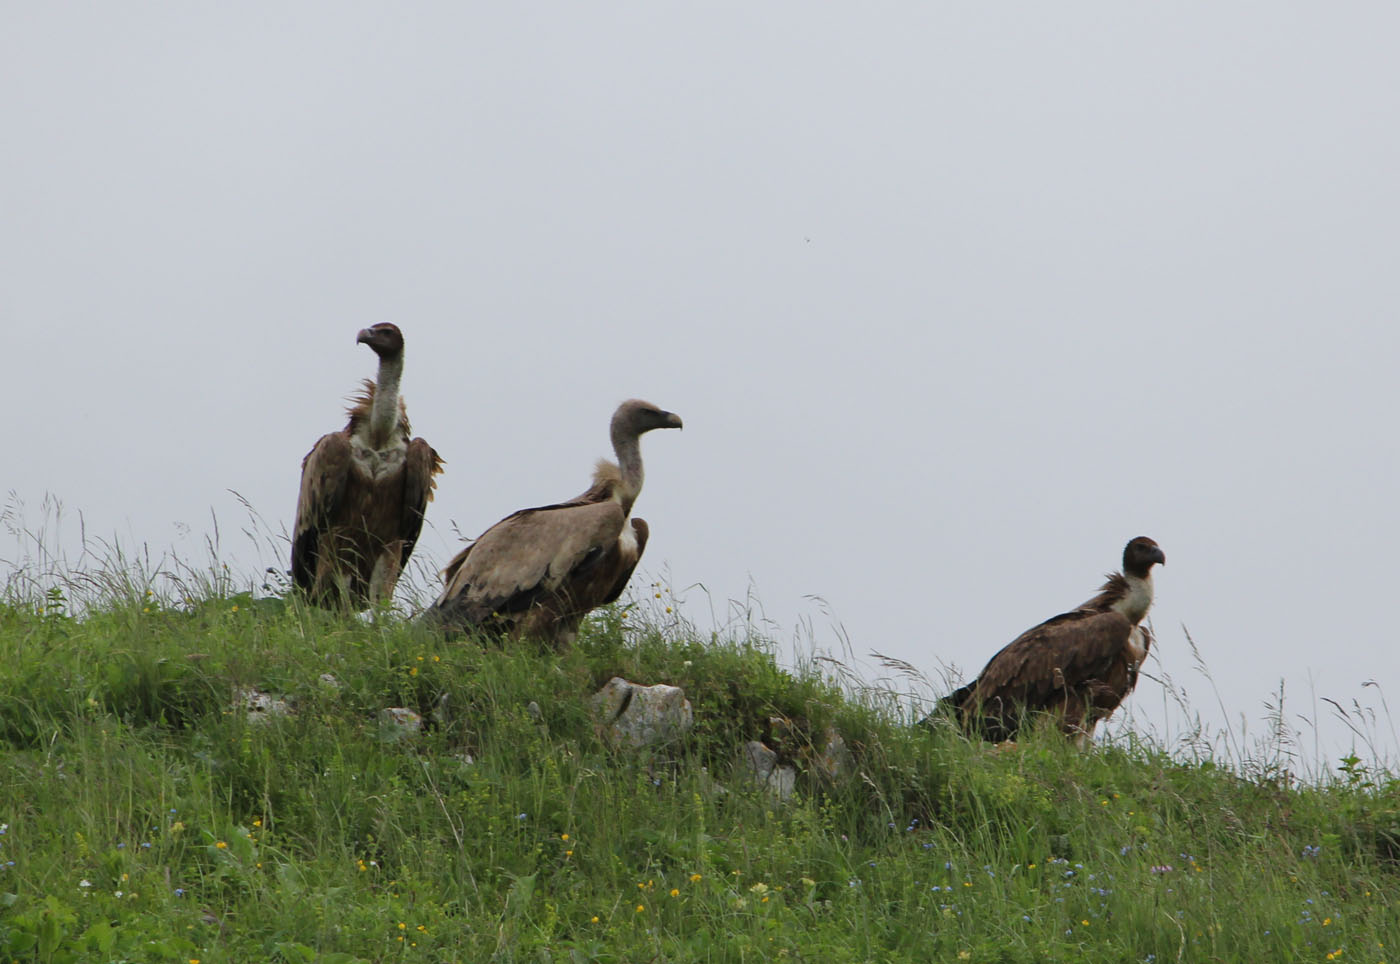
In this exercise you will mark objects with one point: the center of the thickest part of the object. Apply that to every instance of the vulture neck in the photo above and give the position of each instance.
(384, 415)
(629, 459)
(1135, 602)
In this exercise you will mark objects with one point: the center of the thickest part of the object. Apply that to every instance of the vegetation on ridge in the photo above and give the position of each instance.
(144, 817)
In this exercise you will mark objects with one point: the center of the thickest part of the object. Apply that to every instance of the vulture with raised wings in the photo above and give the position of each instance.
(363, 491)
(539, 571)
(1078, 666)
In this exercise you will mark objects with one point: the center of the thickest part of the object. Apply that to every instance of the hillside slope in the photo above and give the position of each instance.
(145, 817)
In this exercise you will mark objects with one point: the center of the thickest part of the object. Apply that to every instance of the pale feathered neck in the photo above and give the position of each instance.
(384, 415)
(1128, 594)
(628, 448)
(362, 414)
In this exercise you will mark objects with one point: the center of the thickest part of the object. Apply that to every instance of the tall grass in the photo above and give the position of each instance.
(146, 816)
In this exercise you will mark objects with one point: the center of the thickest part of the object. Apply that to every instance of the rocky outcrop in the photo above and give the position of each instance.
(627, 714)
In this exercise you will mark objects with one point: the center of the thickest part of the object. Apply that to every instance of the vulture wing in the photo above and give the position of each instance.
(526, 555)
(619, 570)
(324, 472)
(1068, 650)
(421, 464)
(1056, 665)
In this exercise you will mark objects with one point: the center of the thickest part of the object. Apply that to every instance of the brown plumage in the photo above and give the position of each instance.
(363, 491)
(1077, 666)
(539, 571)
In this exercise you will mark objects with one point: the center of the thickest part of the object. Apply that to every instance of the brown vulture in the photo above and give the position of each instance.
(539, 571)
(363, 491)
(1078, 666)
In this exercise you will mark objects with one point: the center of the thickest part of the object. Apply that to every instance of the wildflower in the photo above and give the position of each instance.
(675, 892)
(179, 892)
(1311, 851)
(568, 853)
(413, 672)
(221, 845)
(403, 926)
(520, 816)
(759, 888)
(695, 878)
(964, 955)
(84, 883)
(640, 908)
(258, 822)
(593, 919)
(1162, 869)
(437, 659)
(563, 836)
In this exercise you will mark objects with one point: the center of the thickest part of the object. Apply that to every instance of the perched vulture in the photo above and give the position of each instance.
(363, 491)
(1077, 666)
(539, 571)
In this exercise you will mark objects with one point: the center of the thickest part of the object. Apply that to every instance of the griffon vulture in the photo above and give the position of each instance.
(539, 571)
(363, 491)
(1078, 666)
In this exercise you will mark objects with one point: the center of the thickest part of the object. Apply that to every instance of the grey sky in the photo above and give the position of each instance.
(954, 298)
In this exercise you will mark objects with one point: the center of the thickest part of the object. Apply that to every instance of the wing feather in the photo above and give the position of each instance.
(526, 554)
(421, 466)
(324, 472)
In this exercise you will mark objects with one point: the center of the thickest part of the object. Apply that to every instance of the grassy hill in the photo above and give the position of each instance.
(145, 817)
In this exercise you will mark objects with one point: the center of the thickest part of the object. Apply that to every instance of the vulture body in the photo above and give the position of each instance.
(1077, 666)
(539, 571)
(363, 491)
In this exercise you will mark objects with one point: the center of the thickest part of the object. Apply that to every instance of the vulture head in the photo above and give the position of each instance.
(384, 338)
(634, 416)
(1140, 555)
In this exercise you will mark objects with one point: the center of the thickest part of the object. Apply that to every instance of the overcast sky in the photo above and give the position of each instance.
(954, 299)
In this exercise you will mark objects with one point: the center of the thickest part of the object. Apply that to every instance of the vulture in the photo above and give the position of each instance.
(363, 491)
(1078, 666)
(539, 571)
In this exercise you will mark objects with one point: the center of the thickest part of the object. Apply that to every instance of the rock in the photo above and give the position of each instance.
(763, 764)
(399, 723)
(631, 715)
(835, 760)
(328, 681)
(260, 707)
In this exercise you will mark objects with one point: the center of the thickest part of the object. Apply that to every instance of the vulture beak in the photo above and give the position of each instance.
(673, 420)
(1159, 557)
(364, 337)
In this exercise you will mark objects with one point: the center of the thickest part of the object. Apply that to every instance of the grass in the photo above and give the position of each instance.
(145, 817)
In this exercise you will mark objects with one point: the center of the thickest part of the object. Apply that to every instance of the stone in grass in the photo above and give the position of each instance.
(763, 765)
(835, 760)
(260, 707)
(399, 723)
(631, 715)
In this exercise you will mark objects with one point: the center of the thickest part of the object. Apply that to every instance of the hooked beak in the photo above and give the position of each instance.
(673, 420)
(364, 337)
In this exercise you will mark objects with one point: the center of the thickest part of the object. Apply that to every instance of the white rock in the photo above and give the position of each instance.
(763, 764)
(260, 707)
(399, 723)
(631, 715)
